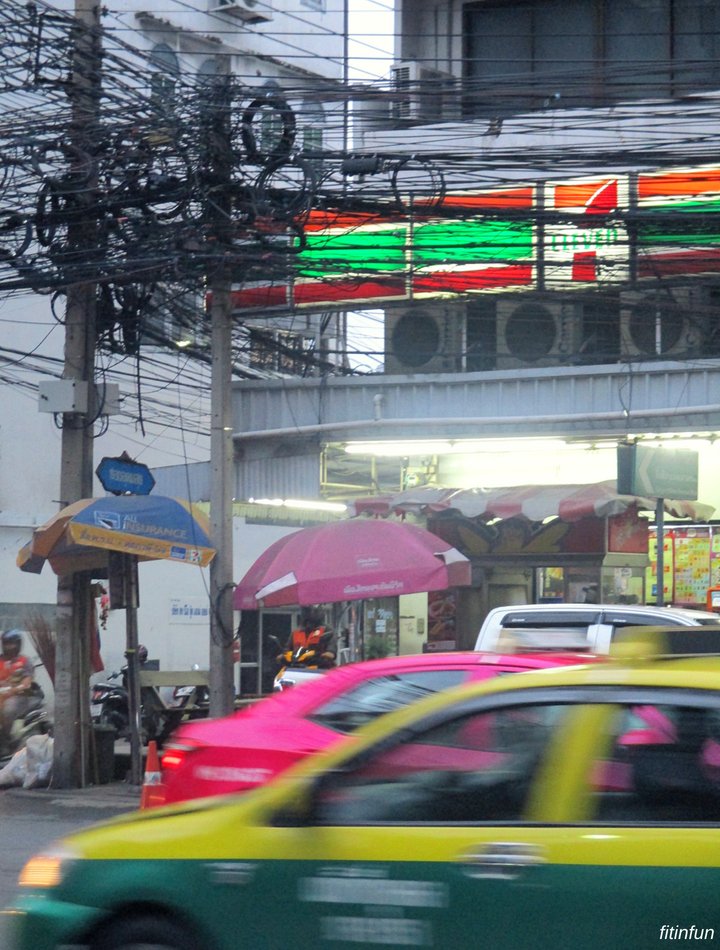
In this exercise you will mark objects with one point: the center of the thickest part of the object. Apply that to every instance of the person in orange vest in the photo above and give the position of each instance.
(16, 676)
(313, 640)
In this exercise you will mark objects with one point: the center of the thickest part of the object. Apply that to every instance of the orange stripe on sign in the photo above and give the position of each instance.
(678, 183)
(494, 200)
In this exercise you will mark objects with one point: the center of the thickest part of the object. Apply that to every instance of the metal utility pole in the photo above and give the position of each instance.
(221, 448)
(660, 562)
(74, 598)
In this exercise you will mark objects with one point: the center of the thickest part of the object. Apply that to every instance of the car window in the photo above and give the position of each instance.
(477, 768)
(382, 694)
(642, 764)
(663, 765)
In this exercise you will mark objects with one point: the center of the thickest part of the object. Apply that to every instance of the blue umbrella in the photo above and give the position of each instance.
(149, 527)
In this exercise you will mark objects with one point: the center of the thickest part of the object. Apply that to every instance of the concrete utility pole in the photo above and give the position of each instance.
(221, 450)
(74, 598)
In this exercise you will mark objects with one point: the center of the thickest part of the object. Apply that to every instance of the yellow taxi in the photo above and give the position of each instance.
(575, 807)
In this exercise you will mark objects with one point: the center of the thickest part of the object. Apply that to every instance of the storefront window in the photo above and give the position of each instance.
(380, 628)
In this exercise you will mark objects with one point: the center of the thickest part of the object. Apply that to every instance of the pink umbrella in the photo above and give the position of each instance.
(351, 560)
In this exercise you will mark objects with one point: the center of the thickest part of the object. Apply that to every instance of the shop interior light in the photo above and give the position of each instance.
(399, 449)
(675, 440)
(508, 445)
(454, 447)
(315, 505)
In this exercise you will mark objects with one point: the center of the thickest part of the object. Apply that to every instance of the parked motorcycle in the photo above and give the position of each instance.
(158, 716)
(298, 666)
(194, 699)
(35, 722)
(109, 704)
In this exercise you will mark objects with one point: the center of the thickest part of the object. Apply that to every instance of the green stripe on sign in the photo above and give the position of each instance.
(359, 251)
(476, 240)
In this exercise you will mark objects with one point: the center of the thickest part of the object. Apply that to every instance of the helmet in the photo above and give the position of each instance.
(312, 615)
(142, 654)
(11, 636)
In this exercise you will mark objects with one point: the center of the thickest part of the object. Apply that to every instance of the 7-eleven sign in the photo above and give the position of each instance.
(585, 240)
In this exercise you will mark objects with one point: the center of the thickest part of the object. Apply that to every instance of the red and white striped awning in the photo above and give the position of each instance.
(534, 502)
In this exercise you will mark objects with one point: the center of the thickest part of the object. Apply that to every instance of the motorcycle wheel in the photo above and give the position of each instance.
(144, 933)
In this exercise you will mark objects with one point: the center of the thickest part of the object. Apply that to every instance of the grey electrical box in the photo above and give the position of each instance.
(71, 395)
(63, 395)
(108, 399)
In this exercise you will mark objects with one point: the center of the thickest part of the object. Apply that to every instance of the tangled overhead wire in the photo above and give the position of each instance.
(149, 199)
(211, 176)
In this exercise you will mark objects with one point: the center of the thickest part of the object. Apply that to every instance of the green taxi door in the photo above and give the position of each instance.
(517, 824)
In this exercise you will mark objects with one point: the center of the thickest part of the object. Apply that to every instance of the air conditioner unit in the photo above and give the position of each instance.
(422, 94)
(668, 323)
(533, 332)
(249, 11)
(425, 338)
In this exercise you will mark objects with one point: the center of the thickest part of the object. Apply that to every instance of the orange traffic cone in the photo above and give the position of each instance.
(153, 790)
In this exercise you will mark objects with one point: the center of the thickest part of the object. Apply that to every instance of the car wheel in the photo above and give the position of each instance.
(144, 933)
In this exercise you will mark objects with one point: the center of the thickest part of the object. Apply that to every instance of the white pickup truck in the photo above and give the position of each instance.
(590, 627)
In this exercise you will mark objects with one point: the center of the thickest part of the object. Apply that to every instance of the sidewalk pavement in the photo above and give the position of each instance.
(118, 794)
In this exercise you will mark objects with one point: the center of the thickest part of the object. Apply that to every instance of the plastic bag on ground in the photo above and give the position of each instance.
(39, 761)
(13, 773)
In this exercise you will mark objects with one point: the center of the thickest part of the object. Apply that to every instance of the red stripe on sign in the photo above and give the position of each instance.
(509, 275)
(273, 295)
(357, 291)
(668, 263)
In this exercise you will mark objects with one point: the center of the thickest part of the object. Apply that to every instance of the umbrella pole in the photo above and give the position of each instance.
(131, 653)
(83, 602)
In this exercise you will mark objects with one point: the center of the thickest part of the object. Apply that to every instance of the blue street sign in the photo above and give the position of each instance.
(123, 476)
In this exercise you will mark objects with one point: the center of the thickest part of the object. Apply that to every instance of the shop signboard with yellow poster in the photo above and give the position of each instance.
(715, 559)
(692, 564)
(691, 555)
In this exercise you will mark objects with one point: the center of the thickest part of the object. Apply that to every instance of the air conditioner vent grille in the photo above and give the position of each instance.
(530, 332)
(415, 338)
(422, 94)
(249, 11)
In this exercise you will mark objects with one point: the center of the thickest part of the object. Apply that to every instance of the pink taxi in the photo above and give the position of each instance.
(240, 752)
